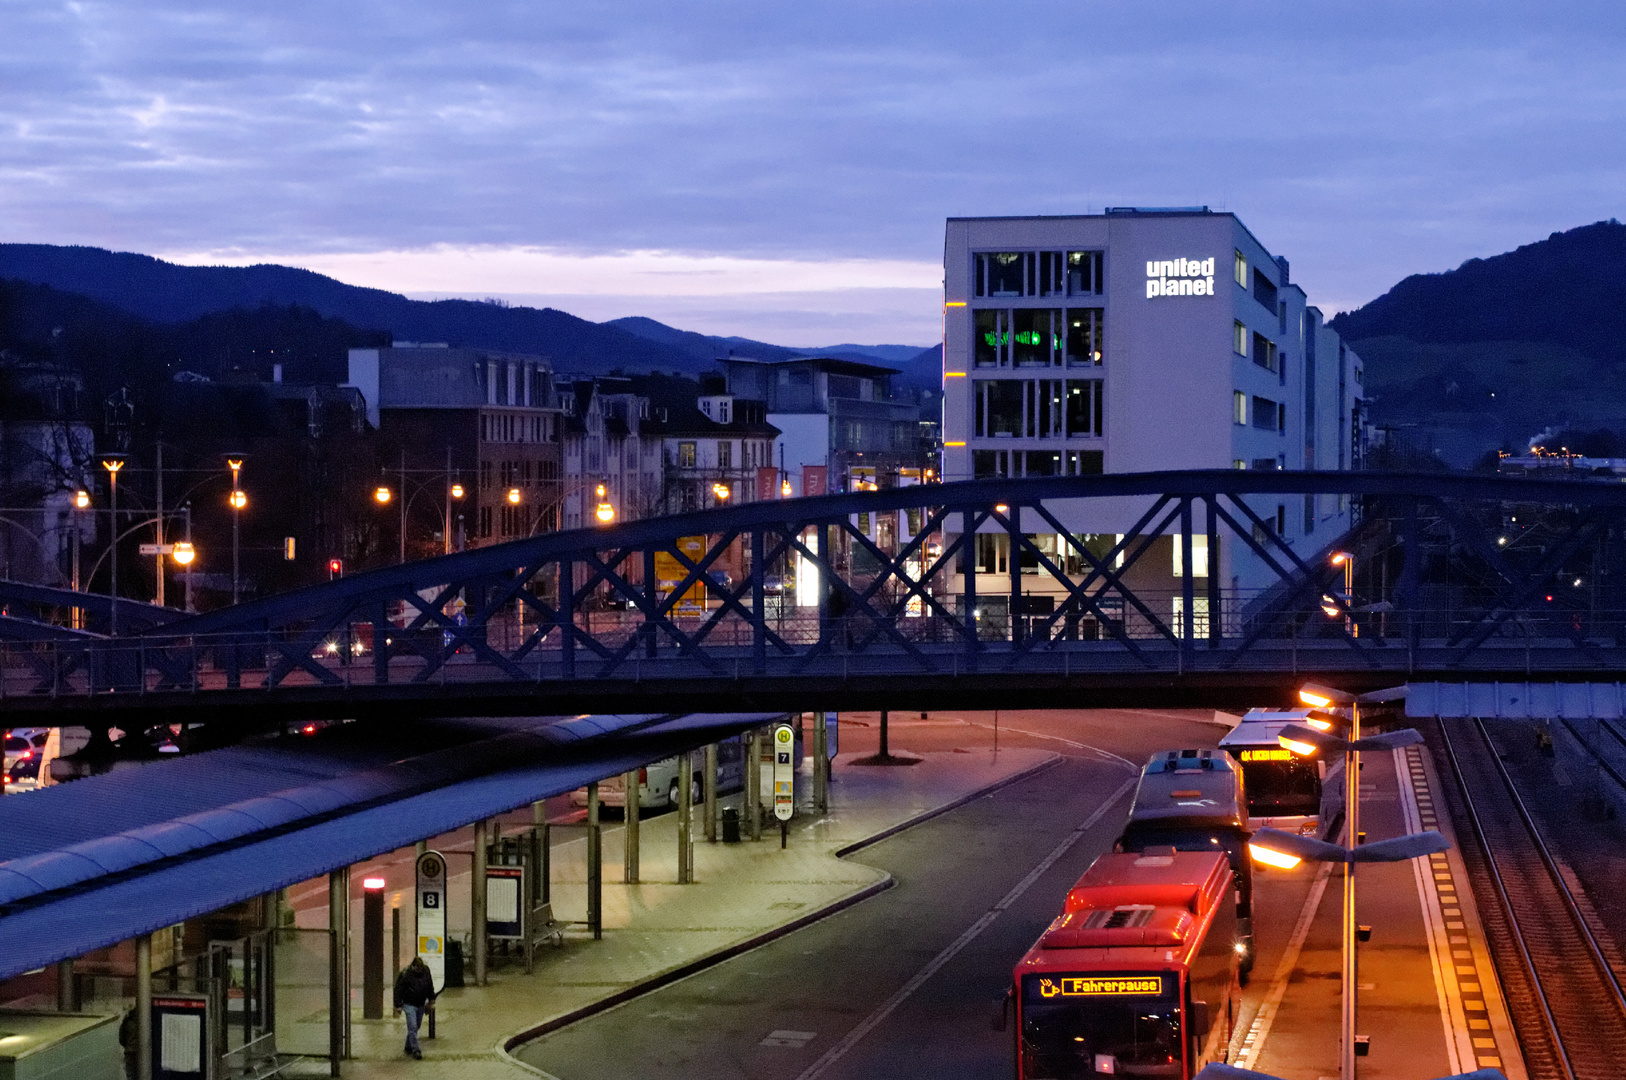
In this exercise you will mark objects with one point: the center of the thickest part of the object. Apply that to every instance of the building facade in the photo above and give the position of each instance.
(1139, 341)
(839, 422)
(610, 443)
(484, 422)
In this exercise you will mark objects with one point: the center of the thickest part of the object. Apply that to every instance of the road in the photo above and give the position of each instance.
(784, 1010)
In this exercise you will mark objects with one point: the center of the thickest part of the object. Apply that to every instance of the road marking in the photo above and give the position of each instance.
(1254, 1041)
(1070, 742)
(887, 1007)
(793, 1039)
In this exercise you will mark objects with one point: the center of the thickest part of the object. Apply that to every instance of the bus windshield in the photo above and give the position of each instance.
(1068, 1037)
(1227, 840)
(1285, 787)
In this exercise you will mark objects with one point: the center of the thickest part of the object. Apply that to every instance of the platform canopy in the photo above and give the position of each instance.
(94, 862)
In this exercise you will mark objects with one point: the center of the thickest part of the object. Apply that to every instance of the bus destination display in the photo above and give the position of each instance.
(1267, 755)
(1095, 986)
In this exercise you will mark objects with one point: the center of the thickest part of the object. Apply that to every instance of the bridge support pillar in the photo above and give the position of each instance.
(753, 784)
(631, 814)
(709, 793)
(143, 1007)
(821, 763)
(66, 999)
(338, 966)
(595, 866)
(685, 816)
(477, 903)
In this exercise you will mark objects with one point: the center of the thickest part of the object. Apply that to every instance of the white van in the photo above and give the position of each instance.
(658, 781)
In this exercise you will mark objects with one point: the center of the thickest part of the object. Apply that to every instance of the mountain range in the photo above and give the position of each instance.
(165, 294)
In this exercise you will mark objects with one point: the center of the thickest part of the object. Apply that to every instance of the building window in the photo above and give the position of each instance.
(1264, 351)
(1238, 463)
(1000, 273)
(1086, 402)
(1085, 462)
(1241, 269)
(725, 454)
(1239, 407)
(685, 455)
(993, 337)
(1264, 464)
(999, 408)
(485, 522)
(1036, 337)
(1199, 615)
(1086, 337)
(1084, 277)
(1039, 273)
(1264, 291)
(1199, 556)
(1265, 412)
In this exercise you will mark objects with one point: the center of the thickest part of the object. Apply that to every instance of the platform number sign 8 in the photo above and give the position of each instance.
(431, 915)
(784, 772)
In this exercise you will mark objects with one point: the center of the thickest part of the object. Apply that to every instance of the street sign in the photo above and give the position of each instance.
(784, 772)
(157, 549)
(431, 914)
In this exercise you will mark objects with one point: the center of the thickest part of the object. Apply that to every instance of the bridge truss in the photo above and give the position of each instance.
(973, 592)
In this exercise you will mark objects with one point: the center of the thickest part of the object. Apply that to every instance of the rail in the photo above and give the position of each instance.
(1567, 1002)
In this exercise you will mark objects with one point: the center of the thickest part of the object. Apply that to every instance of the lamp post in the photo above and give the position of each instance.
(238, 500)
(1347, 561)
(1306, 739)
(113, 464)
(81, 501)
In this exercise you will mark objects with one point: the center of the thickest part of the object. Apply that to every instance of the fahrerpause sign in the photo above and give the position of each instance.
(784, 772)
(431, 912)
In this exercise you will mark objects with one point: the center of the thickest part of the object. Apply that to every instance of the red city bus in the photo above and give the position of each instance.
(1137, 976)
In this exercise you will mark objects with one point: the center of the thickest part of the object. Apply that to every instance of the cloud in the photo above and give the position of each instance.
(1365, 142)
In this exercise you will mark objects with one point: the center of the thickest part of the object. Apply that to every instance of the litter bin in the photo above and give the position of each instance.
(454, 963)
(731, 825)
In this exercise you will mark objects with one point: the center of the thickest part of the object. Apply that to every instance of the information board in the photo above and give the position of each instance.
(180, 1027)
(431, 915)
(504, 918)
(784, 772)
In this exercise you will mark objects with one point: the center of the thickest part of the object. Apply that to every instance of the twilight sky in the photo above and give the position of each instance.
(782, 171)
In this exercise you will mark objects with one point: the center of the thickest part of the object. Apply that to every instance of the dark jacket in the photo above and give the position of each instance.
(414, 986)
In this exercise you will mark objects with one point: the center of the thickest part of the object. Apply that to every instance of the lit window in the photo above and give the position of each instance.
(1239, 407)
(1242, 270)
(1239, 339)
(1199, 556)
(725, 454)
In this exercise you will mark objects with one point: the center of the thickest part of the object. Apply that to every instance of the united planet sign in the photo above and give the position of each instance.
(1179, 277)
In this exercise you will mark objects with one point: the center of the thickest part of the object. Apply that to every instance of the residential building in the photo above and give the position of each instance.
(717, 450)
(488, 422)
(839, 420)
(1141, 340)
(612, 452)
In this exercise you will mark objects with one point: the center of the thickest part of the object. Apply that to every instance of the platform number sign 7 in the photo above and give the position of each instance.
(784, 772)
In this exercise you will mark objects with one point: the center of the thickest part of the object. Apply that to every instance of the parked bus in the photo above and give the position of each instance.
(1137, 976)
(1192, 800)
(1287, 791)
(658, 781)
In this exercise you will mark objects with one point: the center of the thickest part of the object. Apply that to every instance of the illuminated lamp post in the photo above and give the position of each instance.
(81, 501)
(721, 492)
(455, 491)
(1307, 739)
(605, 513)
(238, 501)
(113, 464)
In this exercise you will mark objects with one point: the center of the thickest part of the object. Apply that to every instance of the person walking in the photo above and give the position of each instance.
(414, 992)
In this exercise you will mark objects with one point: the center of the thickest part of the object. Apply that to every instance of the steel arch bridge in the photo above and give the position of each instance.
(641, 615)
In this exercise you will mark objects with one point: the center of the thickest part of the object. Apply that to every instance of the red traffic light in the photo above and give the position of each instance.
(335, 568)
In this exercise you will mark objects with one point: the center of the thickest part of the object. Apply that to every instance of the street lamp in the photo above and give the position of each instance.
(184, 553)
(81, 501)
(1307, 739)
(383, 495)
(238, 500)
(721, 491)
(112, 463)
(1347, 561)
(605, 512)
(455, 492)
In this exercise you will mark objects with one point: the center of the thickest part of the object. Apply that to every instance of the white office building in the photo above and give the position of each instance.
(1142, 340)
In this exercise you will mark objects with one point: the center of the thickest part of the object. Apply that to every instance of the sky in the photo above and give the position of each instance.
(783, 171)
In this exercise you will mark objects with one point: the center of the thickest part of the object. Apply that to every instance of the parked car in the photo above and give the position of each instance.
(23, 752)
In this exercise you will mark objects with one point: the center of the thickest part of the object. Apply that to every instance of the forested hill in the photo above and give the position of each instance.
(160, 292)
(1565, 290)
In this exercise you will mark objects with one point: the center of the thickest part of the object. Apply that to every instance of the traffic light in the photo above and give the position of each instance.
(335, 569)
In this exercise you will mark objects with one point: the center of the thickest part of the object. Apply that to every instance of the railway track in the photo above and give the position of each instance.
(1567, 1004)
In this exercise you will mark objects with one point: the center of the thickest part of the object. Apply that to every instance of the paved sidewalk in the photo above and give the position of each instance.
(658, 930)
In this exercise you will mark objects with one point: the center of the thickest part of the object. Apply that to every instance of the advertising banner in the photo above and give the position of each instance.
(815, 479)
(767, 483)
